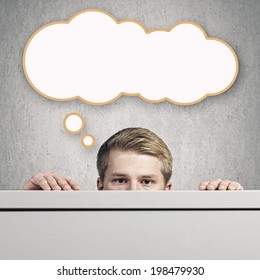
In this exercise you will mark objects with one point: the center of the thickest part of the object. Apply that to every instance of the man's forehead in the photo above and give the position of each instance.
(117, 154)
(124, 161)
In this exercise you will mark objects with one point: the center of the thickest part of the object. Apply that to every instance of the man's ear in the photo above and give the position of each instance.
(168, 186)
(100, 186)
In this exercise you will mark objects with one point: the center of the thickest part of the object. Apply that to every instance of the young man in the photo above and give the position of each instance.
(131, 159)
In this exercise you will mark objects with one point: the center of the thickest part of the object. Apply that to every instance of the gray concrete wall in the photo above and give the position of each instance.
(216, 138)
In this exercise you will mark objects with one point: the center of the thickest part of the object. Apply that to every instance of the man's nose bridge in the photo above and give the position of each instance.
(133, 185)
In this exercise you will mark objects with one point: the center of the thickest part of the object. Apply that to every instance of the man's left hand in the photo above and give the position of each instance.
(221, 185)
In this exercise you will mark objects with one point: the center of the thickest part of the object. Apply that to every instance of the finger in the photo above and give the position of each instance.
(29, 185)
(52, 182)
(233, 186)
(223, 185)
(239, 187)
(203, 185)
(39, 180)
(73, 185)
(213, 185)
(63, 184)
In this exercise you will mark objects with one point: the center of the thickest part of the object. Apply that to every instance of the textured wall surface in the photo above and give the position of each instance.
(216, 138)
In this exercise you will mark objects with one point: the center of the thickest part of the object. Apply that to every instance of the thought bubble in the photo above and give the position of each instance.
(73, 123)
(96, 58)
(88, 141)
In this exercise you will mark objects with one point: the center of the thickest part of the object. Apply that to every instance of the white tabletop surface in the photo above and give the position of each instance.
(129, 200)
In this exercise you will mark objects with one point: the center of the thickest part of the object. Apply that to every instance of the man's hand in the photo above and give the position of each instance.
(221, 185)
(48, 181)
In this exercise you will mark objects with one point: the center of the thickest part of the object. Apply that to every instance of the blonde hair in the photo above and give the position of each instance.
(139, 140)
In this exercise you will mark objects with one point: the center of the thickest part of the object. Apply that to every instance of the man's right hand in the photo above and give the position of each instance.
(49, 181)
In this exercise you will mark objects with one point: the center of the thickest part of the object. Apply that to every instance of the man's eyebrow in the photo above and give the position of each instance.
(118, 174)
(149, 176)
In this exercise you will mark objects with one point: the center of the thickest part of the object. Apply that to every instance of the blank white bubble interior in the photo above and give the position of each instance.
(95, 58)
(73, 123)
(88, 140)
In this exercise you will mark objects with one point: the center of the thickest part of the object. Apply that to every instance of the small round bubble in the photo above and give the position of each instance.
(73, 123)
(88, 141)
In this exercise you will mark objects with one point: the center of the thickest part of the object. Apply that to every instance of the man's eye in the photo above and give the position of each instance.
(147, 182)
(120, 181)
